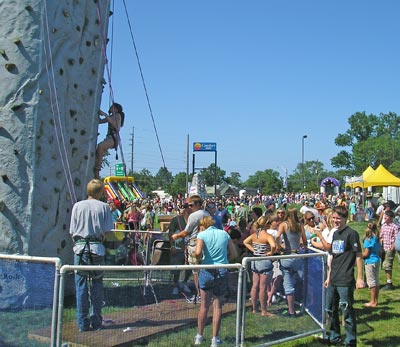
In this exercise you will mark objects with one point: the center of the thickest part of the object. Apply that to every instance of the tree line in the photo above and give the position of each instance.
(370, 140)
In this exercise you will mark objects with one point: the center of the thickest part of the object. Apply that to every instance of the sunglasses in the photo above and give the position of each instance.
(190, 205)
(310, 219)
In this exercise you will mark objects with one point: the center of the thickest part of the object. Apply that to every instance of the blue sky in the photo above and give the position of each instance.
(252, 76)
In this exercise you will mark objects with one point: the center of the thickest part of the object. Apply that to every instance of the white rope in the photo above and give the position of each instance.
(104, 46)
(58, 126)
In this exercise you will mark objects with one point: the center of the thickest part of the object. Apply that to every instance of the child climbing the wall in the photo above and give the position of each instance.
(115, 120)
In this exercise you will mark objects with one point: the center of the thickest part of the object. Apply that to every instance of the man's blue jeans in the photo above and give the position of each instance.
(89, 292)
(370, 212)
(343, 298)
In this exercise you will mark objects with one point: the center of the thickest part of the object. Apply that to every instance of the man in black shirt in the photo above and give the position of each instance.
(340, 283)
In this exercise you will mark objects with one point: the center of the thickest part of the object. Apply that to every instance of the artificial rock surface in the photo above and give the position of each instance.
(51, 68)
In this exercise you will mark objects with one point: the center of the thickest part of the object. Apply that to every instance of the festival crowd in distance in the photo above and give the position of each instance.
(225, 230)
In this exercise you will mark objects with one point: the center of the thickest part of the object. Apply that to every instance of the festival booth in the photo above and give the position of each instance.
(329, 185)
(382, 177)
(358, 181)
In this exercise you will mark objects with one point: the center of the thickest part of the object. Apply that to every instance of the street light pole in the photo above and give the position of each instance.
(302, 160)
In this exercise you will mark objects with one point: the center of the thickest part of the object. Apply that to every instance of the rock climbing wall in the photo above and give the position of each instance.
(51, 68)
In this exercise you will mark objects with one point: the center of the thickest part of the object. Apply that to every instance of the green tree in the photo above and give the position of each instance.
(164, 179)
(144, 181)
(371, 140)
(267, 181)
(208, 175)
(179, 184)
(234, 179)
(395, 168)
(314, 173)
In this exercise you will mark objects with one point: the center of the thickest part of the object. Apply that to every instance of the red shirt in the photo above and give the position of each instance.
(388, 235)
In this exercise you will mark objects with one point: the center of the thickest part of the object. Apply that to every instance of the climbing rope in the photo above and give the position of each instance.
(111, 96)
(58, 125)
(144, 84)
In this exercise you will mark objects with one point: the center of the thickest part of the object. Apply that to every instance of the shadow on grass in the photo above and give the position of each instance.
(380, 313)
(388, 341)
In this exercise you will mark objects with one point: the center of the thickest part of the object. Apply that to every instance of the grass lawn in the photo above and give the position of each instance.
(376, 326)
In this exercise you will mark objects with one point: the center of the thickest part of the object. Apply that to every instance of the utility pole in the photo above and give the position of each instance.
(132, 141)
(187, 167)
(302, 161)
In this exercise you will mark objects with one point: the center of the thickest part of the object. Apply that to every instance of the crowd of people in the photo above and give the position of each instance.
(219, 231)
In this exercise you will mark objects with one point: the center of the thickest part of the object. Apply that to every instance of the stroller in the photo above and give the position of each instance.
(160, 252)
(128, 252)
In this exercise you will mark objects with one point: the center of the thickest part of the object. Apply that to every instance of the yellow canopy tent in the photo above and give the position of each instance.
(381, 177)
(358, 181)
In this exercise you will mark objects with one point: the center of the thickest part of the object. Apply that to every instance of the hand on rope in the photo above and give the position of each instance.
(105, 115)
(114, 118)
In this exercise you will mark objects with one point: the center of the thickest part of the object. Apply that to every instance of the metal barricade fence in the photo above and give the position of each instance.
(29, 289)
(139, 309)
(143, 310)
(310, 303)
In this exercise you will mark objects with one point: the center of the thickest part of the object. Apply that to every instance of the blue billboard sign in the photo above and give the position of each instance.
(204, 146)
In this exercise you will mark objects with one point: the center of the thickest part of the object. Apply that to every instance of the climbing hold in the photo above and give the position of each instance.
(10, 66)
(15, 107)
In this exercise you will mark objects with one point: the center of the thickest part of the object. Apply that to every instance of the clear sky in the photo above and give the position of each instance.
(252, 76)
